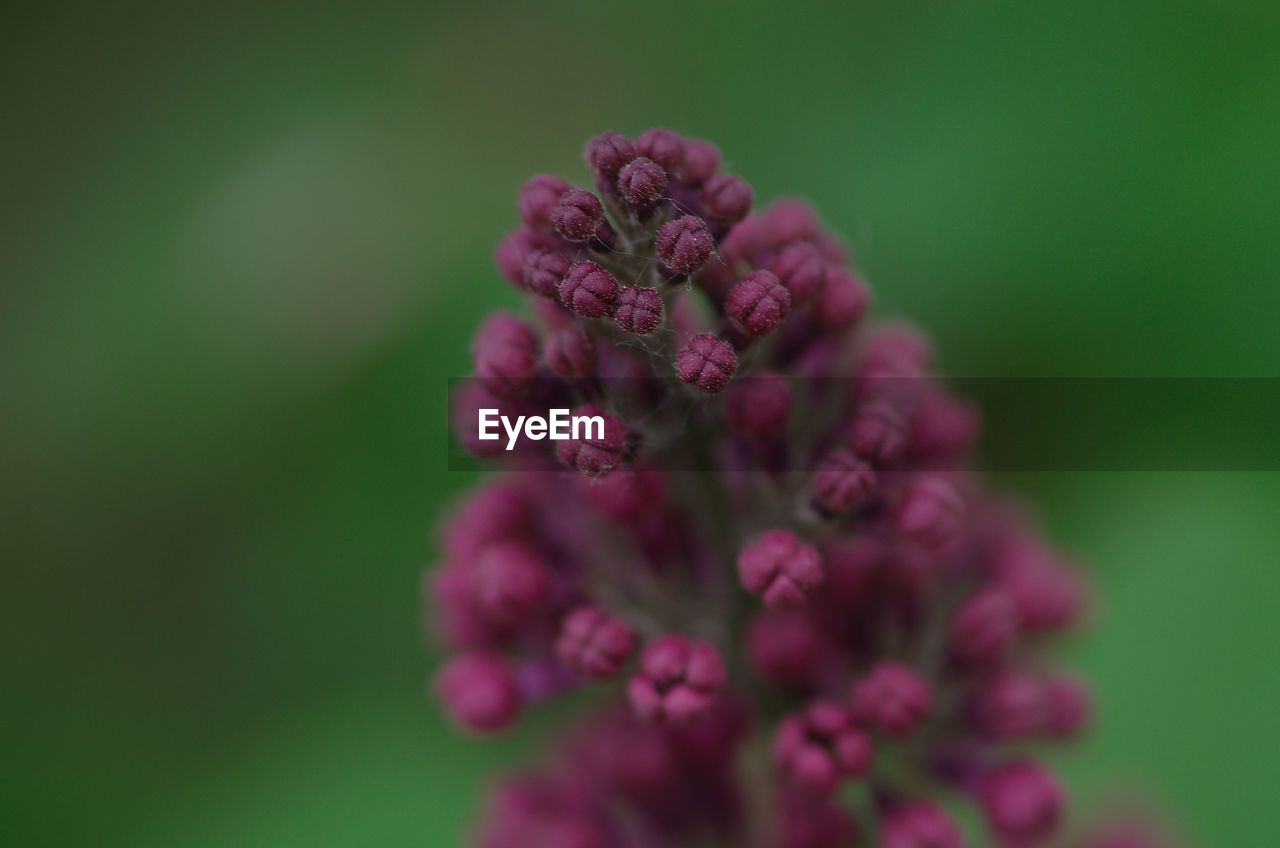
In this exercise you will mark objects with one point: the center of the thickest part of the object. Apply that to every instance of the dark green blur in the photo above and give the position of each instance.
(242, 246)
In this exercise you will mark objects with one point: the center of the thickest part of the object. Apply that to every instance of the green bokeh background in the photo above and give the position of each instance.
(243, 245)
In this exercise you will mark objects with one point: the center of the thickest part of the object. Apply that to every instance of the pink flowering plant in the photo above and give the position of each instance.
(805, 621)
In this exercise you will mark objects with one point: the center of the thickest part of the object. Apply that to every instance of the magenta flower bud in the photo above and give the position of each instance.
(879, 433)
(1012, 706)
(541, 812)
(639, 310)
(641, 182)
(930, 512)
(783, 646)
(790, 220)
(594, 643)
(570, 354)
(465, 404)
(701, 161)
(589, 290)
(801, 268)
(665, 147)
(479, 692)
(538, 199)
(679, 680)
(727, 198)
(1023, 803)
(596, 451)
(901, 345)
(625, 494)
(817, 747)
(1047, 597)
(759, 406)
(892, 698)
(578, 215)
(685, 244)
(510, 254)
(984, 626)
(780, 568)
(1067, 706)
(505, 354)
(497, 511)
(707, 363)
(944, 426)
(509, 582)
(544, 270)
(920, 824)
(608, 152)
(841, 302)
(842, 482)
(758, 303)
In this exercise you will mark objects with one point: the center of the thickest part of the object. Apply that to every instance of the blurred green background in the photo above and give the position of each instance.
(244, 244)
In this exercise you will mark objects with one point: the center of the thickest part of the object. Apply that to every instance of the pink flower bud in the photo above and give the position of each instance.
(578, 215)
(944, 426)
(594, 643)
(842, 482)
(544, 270)
(639, 310)
(685, 244)
(789, 220)
(1012, 706)
(892, 698)
(479, 692)
(505, 354)
(920, 824)
(726, 199)
(707, 363)
(701, 161)
(900, 346)
(780, 568)
(1068, 706)
(1046, 596)
(608, 152)
(593, 454)
(538, 199)
(509, 582)
(819, 746)
(841, 302)
(1023, 803)
(984, 626)
(641, 182)
(513, 251)
(497, 511)
(679, 679)
(878, 433)
(930, 512)
(662, 146)
(570, 354)
(801, 268)
(758, 303)
(759, 406)
(589, 290)
(626, 494)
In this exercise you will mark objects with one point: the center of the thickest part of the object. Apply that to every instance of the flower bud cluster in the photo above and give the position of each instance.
(778, 536)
